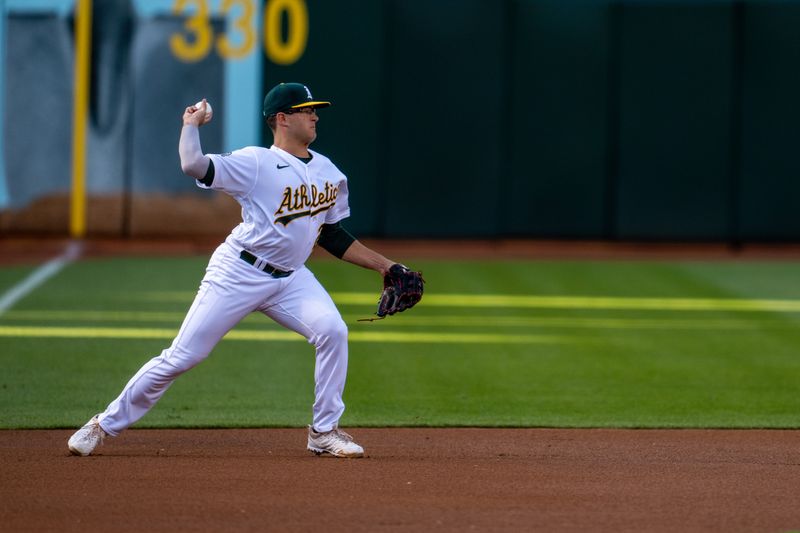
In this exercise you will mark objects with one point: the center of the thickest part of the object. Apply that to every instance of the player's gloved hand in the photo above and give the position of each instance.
(402, 289)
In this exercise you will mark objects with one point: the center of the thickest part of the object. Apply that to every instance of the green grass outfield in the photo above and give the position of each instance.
(493, 343)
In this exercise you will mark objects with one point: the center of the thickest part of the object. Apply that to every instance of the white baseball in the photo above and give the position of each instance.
(209, 110)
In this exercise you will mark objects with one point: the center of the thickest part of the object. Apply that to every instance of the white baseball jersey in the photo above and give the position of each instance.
(284, 201)
(284, 204)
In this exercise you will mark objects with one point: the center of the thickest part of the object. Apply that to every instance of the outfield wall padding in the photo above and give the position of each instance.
(588, 119)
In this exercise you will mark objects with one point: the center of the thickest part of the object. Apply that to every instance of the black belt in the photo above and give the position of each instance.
(269, 269)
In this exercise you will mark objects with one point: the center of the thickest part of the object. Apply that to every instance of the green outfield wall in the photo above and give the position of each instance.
(584, 119)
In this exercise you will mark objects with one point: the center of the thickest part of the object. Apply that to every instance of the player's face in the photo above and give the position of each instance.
(303, 124)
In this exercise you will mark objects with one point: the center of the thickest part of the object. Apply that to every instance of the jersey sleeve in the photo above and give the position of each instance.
(341, 209)
(235, 172)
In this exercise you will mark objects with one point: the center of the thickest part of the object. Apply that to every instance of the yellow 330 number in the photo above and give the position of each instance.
(197, 38)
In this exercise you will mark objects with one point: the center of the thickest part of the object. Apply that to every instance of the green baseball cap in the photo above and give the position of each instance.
(286, 96)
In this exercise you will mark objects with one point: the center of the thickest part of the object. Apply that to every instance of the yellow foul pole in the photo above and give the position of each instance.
(83, 52)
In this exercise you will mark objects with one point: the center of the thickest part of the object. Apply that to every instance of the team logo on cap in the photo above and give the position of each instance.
(308, 92)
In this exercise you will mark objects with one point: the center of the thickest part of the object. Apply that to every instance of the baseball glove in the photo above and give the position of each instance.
(402, 289)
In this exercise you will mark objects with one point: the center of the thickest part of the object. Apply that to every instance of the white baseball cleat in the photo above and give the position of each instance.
(335, 442)
(86, 439)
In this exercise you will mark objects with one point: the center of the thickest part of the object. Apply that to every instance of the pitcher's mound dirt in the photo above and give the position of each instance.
(412, 480)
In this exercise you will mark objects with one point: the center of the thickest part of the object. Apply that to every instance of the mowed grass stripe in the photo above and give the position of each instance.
(417, 320)
(95, 316)
(548, 302)
(589, 302)
(249, 335)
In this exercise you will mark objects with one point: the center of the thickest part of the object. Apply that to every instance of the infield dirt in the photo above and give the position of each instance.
(412, 480)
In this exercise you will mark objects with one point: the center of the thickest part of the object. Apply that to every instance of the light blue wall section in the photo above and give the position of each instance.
(242, 117)
(243, 94)
(149, 8)
(62, 7)
(3, 186)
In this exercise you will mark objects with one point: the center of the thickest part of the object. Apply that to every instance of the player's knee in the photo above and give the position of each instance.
(181, 360)
(331, 328)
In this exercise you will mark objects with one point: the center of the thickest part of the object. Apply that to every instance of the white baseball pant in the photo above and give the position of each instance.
(230, 290)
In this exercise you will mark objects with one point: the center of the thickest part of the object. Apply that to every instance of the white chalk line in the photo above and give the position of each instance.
(39, 276)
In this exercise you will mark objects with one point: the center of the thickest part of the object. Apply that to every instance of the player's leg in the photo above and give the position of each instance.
(304, 306)
(229, 292)
(205, 324)
(210, 317)
(231, 289)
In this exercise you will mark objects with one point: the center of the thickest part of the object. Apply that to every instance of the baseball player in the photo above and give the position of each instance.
(292, 197)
